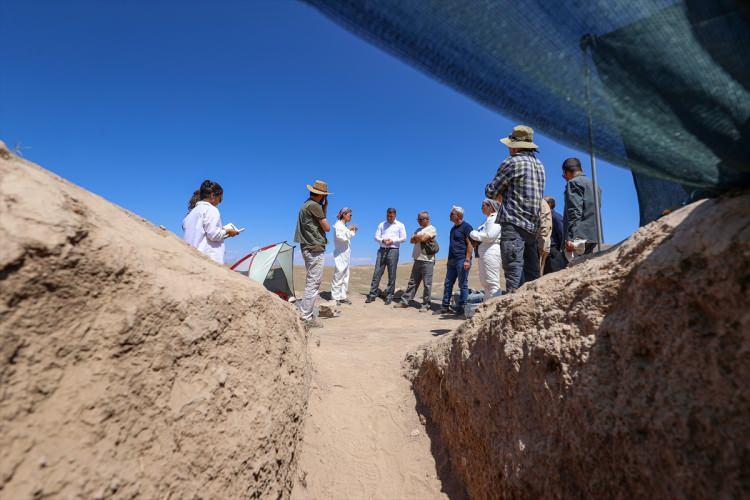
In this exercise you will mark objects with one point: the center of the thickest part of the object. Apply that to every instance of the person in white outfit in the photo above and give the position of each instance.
(202, 224)
(342, 256)
(488, 236)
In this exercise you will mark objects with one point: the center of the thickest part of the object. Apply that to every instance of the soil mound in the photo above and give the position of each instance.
(131, 365)
(624, 376)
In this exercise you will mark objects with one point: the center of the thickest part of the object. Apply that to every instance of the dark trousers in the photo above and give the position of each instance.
(420, 271)
(455, 272)
(555, 262)
(387, 257)
(520, 255)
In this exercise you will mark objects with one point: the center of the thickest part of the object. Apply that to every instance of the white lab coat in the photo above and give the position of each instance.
(488, 234)
(341, 260)
(203, 230)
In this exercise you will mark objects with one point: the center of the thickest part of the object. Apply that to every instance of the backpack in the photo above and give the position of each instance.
(430, 247)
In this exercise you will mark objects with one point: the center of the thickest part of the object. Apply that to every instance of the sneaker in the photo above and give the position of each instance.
(400, 305)
(388, 301)
(445, 310)
(425, 308)
(369, 299)
(459, 312)
(346, 301)
(313, 323)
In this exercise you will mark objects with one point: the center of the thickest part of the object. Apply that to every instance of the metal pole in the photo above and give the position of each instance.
(586, 42)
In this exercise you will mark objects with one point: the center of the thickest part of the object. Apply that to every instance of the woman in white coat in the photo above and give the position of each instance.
(202, 224)
(488, 236)
(342, 256)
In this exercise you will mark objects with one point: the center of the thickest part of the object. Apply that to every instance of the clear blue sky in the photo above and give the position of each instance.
(140, 101)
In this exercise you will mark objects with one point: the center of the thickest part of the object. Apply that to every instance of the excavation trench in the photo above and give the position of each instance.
(364, 437)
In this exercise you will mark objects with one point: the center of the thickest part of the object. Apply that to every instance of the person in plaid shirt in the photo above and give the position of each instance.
(519, 182)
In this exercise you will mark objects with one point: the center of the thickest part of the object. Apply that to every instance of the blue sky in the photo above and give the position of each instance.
(140, 101)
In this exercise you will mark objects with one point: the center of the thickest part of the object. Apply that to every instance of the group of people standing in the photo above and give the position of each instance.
(522, 233)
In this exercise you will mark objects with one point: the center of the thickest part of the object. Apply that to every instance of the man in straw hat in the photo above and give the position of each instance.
(312, 227)
(520, 181)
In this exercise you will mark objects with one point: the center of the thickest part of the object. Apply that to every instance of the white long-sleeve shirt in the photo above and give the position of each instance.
(342, 236)
(395, 232)
(203, 230)
(488, 233)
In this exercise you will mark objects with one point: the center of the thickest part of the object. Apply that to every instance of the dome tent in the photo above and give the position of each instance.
(271, 266)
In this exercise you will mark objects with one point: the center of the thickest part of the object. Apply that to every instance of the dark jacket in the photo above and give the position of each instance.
(579, 217)
(556, 239)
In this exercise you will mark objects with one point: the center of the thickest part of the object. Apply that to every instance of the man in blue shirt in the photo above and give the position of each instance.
(459, 262)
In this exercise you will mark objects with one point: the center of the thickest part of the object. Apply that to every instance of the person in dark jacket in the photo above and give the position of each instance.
(556, 260)
(579, 217)
(557, 223)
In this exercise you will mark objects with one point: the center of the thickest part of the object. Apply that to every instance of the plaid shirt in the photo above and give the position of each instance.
(520, 179)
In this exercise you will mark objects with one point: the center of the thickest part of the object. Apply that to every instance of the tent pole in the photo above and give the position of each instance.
(586, 43)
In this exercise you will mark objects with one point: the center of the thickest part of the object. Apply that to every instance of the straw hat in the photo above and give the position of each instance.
(319, 187)
(522, 137)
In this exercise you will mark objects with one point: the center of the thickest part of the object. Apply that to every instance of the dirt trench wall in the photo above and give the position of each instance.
(131, 365)
(624, 376)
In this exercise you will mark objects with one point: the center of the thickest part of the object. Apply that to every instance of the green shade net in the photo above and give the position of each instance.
(669, 80)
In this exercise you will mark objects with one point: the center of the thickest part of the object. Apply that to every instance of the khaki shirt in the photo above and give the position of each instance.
(308, 233)
(544, 233)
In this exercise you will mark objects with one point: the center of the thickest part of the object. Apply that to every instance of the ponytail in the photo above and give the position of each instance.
(194, 199)
(207, 189)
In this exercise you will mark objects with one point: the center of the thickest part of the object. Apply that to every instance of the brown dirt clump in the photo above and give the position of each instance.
(131, 365)
(625, 376)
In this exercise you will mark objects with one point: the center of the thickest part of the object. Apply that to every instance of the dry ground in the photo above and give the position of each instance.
(363, 436)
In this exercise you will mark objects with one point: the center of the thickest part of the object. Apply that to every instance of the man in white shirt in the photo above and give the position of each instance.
(424, 263)
(390, 234)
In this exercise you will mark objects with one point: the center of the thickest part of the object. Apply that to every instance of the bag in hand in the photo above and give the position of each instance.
(430, 247)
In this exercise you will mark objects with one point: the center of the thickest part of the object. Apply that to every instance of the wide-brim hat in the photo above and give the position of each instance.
(522, 137)
(319, 187)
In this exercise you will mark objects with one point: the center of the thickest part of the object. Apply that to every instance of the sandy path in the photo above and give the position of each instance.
(363, 436)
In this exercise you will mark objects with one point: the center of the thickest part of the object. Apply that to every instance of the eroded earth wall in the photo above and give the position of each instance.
(131, 365)
(623, 376)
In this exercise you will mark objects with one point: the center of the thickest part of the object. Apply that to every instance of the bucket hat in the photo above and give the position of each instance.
(522, 137)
